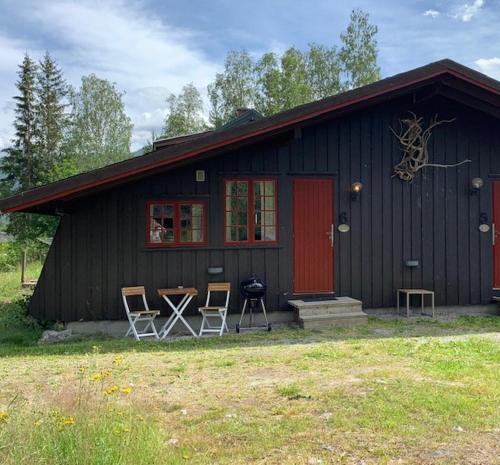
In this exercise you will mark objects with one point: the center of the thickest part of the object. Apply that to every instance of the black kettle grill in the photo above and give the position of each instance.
(253, 290)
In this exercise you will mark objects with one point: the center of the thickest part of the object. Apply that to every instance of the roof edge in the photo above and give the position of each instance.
(196, 145)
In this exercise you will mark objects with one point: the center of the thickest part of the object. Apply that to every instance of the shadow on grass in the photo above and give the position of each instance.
(21, 342)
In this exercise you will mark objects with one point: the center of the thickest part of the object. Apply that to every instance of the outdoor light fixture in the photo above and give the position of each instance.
(356, 188)
(476, 185)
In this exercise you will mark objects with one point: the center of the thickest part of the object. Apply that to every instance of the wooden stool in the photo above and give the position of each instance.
(422, 293)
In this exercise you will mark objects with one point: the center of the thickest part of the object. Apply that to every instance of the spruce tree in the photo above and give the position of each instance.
(22, 165)
(51, 92)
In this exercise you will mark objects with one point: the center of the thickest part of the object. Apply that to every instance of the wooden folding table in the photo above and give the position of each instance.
(186, 293)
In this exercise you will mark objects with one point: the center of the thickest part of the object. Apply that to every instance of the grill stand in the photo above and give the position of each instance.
(251, 307)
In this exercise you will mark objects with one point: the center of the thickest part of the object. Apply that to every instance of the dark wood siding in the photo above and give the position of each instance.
(100, 243)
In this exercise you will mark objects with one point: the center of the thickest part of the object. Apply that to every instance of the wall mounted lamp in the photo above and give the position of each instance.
(476, 185)
(356, 188)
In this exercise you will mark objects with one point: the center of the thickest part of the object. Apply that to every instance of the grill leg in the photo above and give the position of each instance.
(243, 311)
(264, 310)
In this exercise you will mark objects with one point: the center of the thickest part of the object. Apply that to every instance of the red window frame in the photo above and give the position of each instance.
(251, 210)
(177, 203)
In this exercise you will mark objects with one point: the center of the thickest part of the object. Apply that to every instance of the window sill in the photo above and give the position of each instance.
(208, 248)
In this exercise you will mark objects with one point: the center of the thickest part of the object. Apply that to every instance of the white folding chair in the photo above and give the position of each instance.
(137, 316)
(214, 311)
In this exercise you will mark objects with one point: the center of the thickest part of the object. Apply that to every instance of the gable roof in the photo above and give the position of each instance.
(193, 147)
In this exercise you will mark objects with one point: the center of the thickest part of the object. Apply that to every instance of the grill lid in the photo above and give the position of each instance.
(253, 287)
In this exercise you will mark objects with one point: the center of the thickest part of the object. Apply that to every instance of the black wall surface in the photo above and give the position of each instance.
(100, 243)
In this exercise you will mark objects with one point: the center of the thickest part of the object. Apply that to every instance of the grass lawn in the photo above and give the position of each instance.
(387, 393)
(390, 392)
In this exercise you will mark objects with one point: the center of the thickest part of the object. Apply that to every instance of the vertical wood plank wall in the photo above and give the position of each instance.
(99, 247)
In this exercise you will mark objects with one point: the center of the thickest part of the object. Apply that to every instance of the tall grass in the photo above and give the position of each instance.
(92, 421)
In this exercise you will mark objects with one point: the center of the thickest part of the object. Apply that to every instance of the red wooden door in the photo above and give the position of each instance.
(312, 241)
(496, 234)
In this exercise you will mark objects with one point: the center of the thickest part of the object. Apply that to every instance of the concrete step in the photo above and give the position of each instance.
(340, 306)
(326, 321)
(328, 310)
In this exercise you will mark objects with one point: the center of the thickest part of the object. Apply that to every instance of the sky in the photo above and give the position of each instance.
(151, 48)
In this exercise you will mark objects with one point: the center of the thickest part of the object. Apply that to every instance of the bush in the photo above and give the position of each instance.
(16, 326)
(11, 254)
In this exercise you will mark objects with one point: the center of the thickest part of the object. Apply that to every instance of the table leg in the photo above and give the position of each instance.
(397, 300)
(171, 317)
(178, 315)
(433, 315)
(422, 297)
(407, 305)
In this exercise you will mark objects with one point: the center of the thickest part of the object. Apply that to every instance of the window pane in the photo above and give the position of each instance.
(185, 235)
(242, 234)
(168, 211)
(155, 210)
(168, 223)
(168, 235)
(197, 235)
(258, 218)
(269, 233)
(258, 233)
(197, 209)
(197, 222)
(242, 218)
(268, 203)
(242, 187)
(269, 218)
(258, 188)
(185, 212)
(269, 187)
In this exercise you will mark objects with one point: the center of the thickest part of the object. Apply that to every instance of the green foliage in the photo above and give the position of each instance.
(274, 83)
(35, 149)
(359, 51)
(51, 119)
(20, 165)
(185, 113)
(11, 254)
(233, 89)
(100, 131)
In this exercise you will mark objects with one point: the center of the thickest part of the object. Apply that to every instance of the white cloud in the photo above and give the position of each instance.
(490, 66)
(432, 13)
(467, 11)
(122, 42)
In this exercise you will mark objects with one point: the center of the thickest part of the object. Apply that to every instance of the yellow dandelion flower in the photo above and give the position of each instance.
(106, 373)
(126, 390)
(118, 360)
(4, 416)
(67, 421)
(110, 390)
(96, 377)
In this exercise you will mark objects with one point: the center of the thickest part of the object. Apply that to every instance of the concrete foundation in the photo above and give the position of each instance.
(117, 328)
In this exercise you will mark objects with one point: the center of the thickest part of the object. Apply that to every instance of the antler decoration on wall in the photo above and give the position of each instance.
(413, 139)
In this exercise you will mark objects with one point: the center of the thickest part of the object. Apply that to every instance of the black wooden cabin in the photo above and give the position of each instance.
(274, 196)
